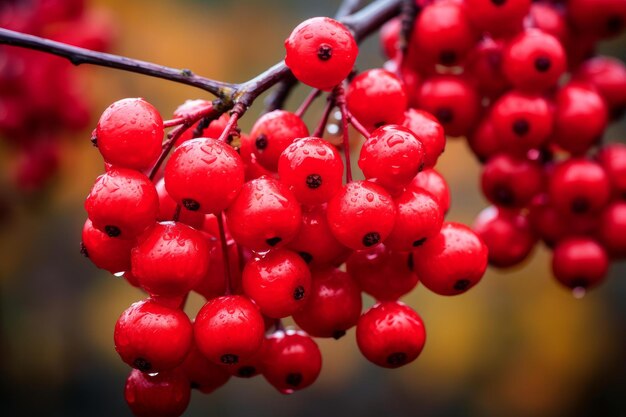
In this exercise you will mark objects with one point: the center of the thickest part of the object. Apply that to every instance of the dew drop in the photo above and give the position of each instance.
(369, 197)
(395, 140)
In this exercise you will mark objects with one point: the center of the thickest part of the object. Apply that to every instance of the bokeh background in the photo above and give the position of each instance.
(516, 345)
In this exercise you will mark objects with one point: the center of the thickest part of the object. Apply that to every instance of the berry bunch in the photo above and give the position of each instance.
(521, 81)
(41, 100)
(265, 228)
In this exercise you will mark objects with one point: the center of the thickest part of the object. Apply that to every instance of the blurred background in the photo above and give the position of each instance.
(518, 344)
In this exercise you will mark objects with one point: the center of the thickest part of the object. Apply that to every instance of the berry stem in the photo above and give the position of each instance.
(203, 111)
(341, 102)
(278, 325)
(307, 102)
(356, 124)
(330, 105)
(225, 256)
(231, 126)
(176, 215)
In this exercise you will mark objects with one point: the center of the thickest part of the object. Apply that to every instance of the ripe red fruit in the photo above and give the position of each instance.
(612, 158)
(152, 337)
(122, 203)
(507, 234)
(361, 215)
(484, 65)
(390, 334)
(165, 394)
(292, 361)
(392, 155)
(279, 283)
(264, 215)
(129, 134)
(579, 262)
(608, 76)
(509, 181)
(451, 262)
(170, 259)
(106, 252)
(550, 18)
(376, 97)
(612, 229)
(168, 208)
(312, 169)
(383, 274)
(428, 131)
(604, 18)
(333, 306)
(272, 134)
(321, 52)
(484, 141)
(433, 182)
(203, 375)
(229, 329)
(498, 17)
(204, 175)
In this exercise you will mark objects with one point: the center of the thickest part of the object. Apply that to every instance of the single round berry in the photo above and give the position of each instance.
(484, 65)
(579, 262)
(428, 131)
(608, 76)
(509, 181)
(498, 17)
(612, 229)
(484, 141)
(104, 251)
(165, 394)
(433, 182)
(612, 158)
(203, 375)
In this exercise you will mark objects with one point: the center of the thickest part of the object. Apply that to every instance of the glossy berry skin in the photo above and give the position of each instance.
(390, 37)
(390, 334)
(122, 203)
(612, 158)
(608, 76)
(612, 229)
(129, 134)
(579, 262)
(165, 394)
(361, 215)
(203, 375)
(534, 60)
(170, 259)
(546, 222)
(442, 33)
(509, 181)
(279, 283)
(433, 182)
(498, 18)
(292, 361)
(264, 215)
(579, 186)
(272, 134)
(106, 252)
(204, 175)
(312, 169)
(522, 121)
(604, 18)
(152, 337)
(507, 234)
(428, 131)
(580, 118)
(392, 155)
(321, 52)
(334, 304)
(451, 262)
(484, 65)
(483, 141)
(381, 273)
(168, 208)
(229, 329)
(551, 19)
(418, 218)
(315, 243)
(376, 97)
(453, 100)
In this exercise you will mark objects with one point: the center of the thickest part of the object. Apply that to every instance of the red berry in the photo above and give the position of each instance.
(390, 334)
(451, 262)
(612, 158)
(579, 262)
(428, 131)
(603, 18)
(612, 229)
(509, 181)
(203, 375)
(608, 76)
(104, 251)
(152, 337)
(321, 52)
(168, 209)
(484, 141)
(433, 182)
(550, 18)
(484, 65)
(165, 394)
(129, 134)
(498, 17)
(122, 203)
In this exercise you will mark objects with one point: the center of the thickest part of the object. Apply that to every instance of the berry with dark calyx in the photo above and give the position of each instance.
(264, 215)
(292, 361)
(507, 234)
(433, 182)
(104, 251)
(168, 208)
(170, 259)
(381, 273)
(428, 131)
(229, 329)
(419, 217)
(361, 215)
(608, 76)
(578, 186)
(579, 262)
(376, 97)
(601, 18)
(122, 203)
(129, 134)
(390, 334)
(334, 304)
(321, 52)
(392, 155)
(204, 175)
(272, 134)
(252, 366)
(497, 17)
(451, 262)
(165, 394)
(612, 158)
(509, 181)
(312, 169)
(203, 375)
(152, 337)
(612, 230)
(279, 283)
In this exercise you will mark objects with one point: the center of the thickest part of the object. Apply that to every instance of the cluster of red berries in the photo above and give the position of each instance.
(40, 98)
(262, 228)
(520, 80)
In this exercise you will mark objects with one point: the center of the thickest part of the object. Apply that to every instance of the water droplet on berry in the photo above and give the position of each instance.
(369, 197)
(395, 140)
(308, 36)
